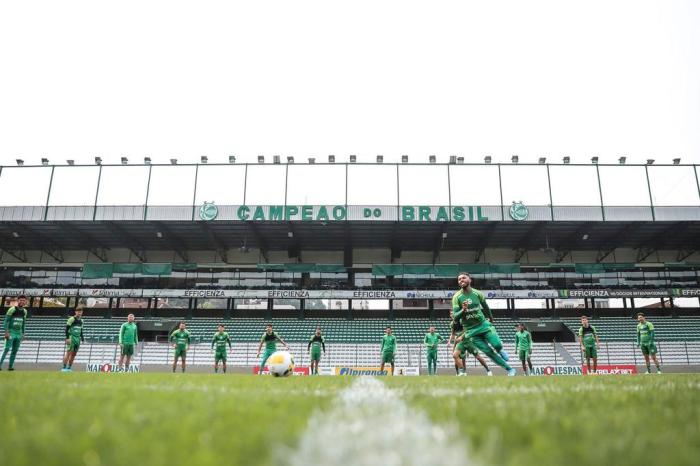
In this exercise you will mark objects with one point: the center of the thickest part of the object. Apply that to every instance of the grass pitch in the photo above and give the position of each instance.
(186, 419)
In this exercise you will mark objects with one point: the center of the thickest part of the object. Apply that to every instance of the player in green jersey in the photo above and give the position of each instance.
(316, 342)
(431, 341)
(270, 339)
(180, 339)
(219, 341)
(589, 341)
(14, 326)
(388, 349)
(523, 345)
(468, 305)
(645, 341)
(74, 336)
(128, 339)
(463, 346)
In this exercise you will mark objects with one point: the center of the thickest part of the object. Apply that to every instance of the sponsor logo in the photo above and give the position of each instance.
(587, 294)
(518, 211)
(287, 294)
(108, 367)
(617, 369)
(208, 211)
(373, 294)
(686, 292)
(298, 370)
(360, 371)
(204, 293)
(557, 370)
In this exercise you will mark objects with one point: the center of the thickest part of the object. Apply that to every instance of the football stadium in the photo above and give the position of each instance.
(140, 300)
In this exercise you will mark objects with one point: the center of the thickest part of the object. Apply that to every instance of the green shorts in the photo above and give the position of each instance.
(466, 345)
(590, 351)
(523, 354)
(648, 348)
(127, 350)
(220, 356)
(315, 354)
(388, 356)
(73, 346)
(180, 352)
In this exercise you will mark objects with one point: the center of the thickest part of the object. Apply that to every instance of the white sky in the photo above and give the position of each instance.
(184, 79)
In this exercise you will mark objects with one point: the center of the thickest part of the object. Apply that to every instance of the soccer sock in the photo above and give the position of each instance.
(4, 353)
(216, 369)
(648, 367)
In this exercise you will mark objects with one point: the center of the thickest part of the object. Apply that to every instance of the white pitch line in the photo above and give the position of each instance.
(369, 424)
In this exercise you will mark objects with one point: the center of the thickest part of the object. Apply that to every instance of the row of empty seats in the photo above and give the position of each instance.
(362, 330)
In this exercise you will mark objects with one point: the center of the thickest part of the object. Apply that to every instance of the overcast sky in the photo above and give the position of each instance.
(312, 78)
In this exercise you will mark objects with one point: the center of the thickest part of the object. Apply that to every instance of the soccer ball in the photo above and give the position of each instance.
(281, 364)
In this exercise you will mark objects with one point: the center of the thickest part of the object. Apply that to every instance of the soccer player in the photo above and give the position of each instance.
(128, 339)
(468, 306)
(523, 345)
(270, 338)
(220, 340)
(14, 325)
(388, 348)
(461, 347)
(589, 341)
(180, 339)
(431, 342)
(316, 342)
(645, 341)
(74, 336)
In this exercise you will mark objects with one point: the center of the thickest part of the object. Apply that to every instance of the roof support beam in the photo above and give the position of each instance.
(685, 253)
(97, 248)
(221, 249)
(20, 254)
(175, 241)
(562, 252)
(439, 241)
(481, 247)
(611, 242)
(47, 245)
(259, 240)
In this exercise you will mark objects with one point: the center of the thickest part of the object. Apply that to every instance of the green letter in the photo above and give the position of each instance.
(307, 213)
(289, 211)
(339, 212)
(458, 214)
(442, 215)
(322, 213)
(259, 214)
(243, 212)
(424, 213)
(480, 217)
(407, 214)
(276, 212)
(366, 213)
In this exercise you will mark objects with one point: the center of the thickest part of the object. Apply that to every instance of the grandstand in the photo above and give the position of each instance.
(357, 248)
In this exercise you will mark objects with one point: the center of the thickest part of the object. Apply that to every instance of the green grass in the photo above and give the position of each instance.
(196, 419)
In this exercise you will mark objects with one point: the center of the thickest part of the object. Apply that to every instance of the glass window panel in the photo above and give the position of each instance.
(423, 185)
(474, 185)
(171, 185)
(372, 304)
(211, 303)
(24, 186)
(265, 184)
(316, 185)
(574, 185)
(250, 304)
(97, 302)
(315, 304)
(173, 303)
(624, 185)
(133, 303)
(54, 302)
(525, 183)
(74, 186)
(222, 184)
(286, 303)
(673, 186)
(372, 185)
(123, 185)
